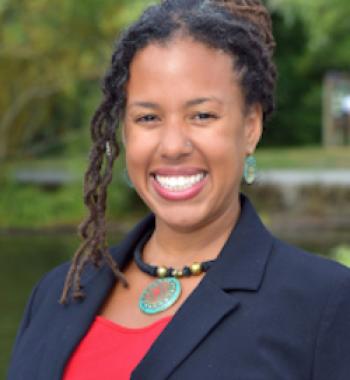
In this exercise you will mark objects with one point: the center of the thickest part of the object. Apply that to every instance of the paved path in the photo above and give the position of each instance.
(305, 177)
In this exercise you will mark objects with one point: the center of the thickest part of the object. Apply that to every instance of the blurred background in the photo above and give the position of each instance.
(53, 55)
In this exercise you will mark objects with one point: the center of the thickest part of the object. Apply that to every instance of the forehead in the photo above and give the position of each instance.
(182, 67)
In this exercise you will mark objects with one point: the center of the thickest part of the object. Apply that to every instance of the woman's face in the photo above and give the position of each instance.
(187, 133)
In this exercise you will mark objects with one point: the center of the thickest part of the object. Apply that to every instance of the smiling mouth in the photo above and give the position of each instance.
(179, 182)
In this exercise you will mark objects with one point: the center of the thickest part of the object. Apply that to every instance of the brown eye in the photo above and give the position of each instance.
(146, 118)
(204, 116)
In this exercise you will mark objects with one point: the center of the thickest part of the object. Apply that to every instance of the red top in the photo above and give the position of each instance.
(110, 351)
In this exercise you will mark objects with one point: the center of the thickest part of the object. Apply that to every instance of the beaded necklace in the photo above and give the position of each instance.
(163, 292)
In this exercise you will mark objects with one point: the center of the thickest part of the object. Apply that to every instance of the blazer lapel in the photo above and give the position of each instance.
(198, 315)
(240, 266)
(71, 322)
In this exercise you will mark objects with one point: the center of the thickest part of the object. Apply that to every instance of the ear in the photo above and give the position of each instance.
(253, 127)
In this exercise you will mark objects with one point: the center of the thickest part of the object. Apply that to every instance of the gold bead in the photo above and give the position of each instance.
(177, 273)
(196, 268)
(161, 272)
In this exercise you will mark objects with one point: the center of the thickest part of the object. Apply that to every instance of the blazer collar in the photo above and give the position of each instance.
(241, 262)
(243, 259)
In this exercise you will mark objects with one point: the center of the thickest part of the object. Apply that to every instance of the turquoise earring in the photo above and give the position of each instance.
(127, 179)
(250, 169)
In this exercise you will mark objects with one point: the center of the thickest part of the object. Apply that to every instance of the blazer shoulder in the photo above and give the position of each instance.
(50, 285)
(306, 266)
(56, 276)
(40, 294)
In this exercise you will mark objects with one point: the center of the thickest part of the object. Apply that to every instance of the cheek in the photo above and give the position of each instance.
(227, 145)
(227, 161)
(227, 158)
(138, 150)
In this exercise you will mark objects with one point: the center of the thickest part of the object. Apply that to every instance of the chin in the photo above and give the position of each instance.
(181, 224)
(184, 219)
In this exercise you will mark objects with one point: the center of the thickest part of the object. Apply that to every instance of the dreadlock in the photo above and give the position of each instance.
(241, 28)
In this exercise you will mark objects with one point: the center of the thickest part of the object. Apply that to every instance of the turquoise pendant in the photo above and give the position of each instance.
(160, 295)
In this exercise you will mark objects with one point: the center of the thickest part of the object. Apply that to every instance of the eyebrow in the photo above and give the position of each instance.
(195, 102)
(190, 103)
(145, 105)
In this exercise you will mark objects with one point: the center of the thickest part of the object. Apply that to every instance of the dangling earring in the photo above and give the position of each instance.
(108, 149)
(250, 169)
(127, 179)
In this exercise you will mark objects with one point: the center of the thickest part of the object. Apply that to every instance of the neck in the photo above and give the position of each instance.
(176, 247)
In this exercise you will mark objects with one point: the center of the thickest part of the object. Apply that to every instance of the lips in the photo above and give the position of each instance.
(178, 184)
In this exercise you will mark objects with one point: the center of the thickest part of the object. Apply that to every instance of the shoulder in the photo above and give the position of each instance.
(47, 289)
(298, 260)
(53, 279)
(317, 291)
(307, 297)
(45, 292)
(315, 275)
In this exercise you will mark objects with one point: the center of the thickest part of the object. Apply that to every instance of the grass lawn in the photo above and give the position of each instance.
(304, 158)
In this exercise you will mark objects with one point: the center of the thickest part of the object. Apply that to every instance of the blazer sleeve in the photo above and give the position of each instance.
(332, 353)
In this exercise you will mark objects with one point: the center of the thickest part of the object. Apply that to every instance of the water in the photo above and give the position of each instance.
(25, 258)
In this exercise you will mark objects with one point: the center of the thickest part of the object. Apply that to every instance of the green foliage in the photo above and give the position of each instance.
(38, 208)
(291, 124)
(34, 206)
(327, 26)
(312, 39)
(342, 254)
(53, 54)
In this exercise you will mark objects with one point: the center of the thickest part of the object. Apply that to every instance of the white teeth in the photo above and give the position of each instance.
(178, 183)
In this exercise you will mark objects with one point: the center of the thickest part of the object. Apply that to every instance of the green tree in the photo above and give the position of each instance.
(312, 40)
(53, 54)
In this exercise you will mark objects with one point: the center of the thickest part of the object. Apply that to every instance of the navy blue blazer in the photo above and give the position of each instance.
(264, 311)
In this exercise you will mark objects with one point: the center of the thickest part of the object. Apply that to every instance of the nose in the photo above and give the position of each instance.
(175, 142)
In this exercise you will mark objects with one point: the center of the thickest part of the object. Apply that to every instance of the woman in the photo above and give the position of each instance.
(199, 289)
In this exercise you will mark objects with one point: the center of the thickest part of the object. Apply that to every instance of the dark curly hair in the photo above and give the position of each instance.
(241, 28)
